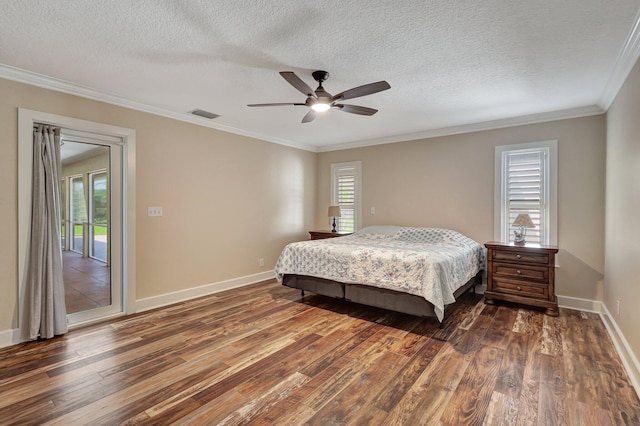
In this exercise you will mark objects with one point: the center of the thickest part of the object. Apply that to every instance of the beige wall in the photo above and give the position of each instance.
(622, 262)
(449, 182)
(228, 200)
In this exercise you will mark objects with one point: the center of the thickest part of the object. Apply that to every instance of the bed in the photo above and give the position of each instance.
(418, 271)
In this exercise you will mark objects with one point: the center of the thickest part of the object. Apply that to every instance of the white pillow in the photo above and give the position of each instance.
(380, 229)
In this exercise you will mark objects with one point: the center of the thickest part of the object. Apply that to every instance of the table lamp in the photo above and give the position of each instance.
(522, 222)
(335, 212)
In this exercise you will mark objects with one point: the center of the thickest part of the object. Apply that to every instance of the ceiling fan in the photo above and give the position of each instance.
(320, 100)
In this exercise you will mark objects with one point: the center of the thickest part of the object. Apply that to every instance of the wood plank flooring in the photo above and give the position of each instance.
(262, 355)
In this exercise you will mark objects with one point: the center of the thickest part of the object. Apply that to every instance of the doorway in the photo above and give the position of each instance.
(101, 229)
(91, 224)
(86, 225)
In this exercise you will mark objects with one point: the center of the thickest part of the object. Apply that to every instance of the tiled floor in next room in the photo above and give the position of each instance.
(87, 282)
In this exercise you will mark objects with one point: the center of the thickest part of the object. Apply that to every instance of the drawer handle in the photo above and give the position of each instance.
(518, 256)
(518, 272)
(518, 288)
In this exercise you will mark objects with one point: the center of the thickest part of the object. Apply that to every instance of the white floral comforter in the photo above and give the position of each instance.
(428, 262)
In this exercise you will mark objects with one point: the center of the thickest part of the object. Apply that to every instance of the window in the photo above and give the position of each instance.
(345, 192)
(78, 213)
(526, 182)
(98, 222)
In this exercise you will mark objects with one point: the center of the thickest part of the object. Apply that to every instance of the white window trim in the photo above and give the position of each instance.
(357, 165)
(552, 146)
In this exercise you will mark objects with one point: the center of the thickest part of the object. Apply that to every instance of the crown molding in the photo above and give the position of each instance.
(475, 127)
(50, 83)
(46, 82)
(625, 62)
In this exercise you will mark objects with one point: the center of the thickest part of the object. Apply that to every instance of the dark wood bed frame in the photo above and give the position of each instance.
(373, 296)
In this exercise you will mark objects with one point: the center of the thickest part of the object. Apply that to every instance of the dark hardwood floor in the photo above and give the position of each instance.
(262, 355)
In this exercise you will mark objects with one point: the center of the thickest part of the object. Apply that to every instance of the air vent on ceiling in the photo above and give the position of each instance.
(205, 114)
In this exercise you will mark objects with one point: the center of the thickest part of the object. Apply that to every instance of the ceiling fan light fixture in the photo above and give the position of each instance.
(320, 107)
(320, 100)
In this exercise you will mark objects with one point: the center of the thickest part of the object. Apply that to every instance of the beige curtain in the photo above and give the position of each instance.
(46, 311)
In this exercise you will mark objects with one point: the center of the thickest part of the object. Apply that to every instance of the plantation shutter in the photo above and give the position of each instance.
(345, 182)
(347, 200)
(524, 190)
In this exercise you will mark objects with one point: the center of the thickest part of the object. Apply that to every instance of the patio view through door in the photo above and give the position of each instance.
(91, 218)
(90, 224)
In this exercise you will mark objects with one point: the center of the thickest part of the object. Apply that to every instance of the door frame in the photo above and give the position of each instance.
(26, 120)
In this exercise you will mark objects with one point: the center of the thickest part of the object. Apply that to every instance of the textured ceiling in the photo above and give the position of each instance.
(451, 64)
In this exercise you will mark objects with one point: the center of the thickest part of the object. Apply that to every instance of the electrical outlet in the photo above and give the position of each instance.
(617, 307)
(373, 210)
(261, 261)
(154, 211)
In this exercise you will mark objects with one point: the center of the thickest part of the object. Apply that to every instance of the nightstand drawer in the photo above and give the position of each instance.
(521, 289)
(510, 256)
(528, 273)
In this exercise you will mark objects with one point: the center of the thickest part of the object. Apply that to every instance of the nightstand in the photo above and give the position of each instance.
(320, 235)
(522, 274)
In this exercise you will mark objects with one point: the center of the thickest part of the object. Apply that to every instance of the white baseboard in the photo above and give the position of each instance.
(629, 359)
(10, 337)
(574, 303)
(205, 290)
(578, 304)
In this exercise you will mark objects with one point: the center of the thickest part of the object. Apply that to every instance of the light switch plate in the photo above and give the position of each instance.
(154, 211)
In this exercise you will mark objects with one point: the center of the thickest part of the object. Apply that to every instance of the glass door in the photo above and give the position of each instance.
(92, 217)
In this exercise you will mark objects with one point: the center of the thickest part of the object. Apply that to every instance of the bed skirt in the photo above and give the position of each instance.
(373, 296)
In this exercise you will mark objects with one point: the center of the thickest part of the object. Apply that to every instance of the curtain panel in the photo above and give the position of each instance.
(45, 306)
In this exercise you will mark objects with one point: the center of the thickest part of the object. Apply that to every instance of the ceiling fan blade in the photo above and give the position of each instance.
(274, 104)
(365, 90)
(309, 117)
(296, 82)
(355, 109)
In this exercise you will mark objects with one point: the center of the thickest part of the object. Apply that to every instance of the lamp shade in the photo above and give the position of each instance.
(334, 211)
(523, 220)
